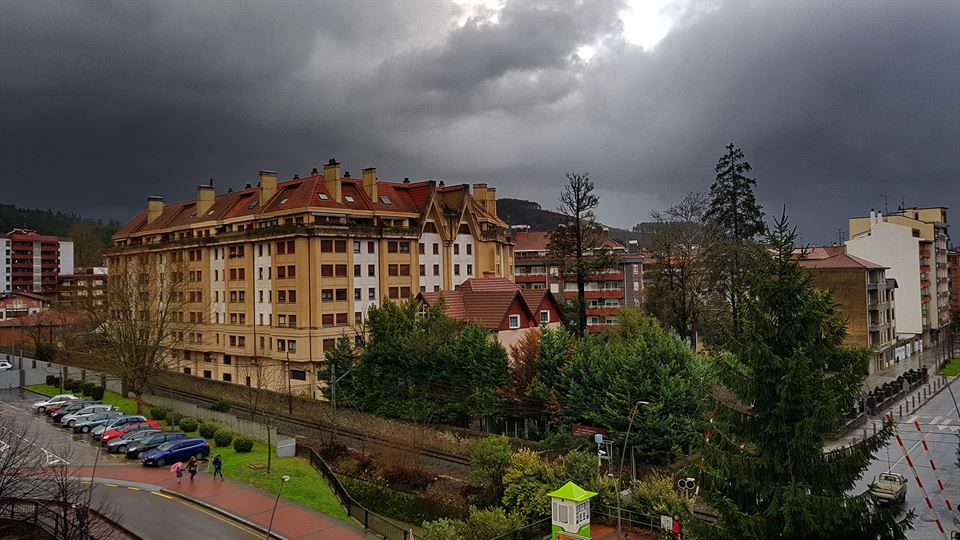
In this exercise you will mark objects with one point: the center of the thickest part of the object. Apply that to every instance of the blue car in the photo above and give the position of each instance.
(181, 450)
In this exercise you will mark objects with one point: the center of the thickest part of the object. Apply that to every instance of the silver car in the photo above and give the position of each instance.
(84, 414)
(41, 406)
(116, 422)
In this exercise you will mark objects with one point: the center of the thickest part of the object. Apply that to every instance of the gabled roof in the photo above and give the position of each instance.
(540, 241)
(486, 301)
(841, 260)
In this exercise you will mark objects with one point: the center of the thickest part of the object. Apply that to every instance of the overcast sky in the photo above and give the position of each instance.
(834, 103)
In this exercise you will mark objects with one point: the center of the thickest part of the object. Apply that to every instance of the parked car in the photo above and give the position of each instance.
(181, 450)
(70, 408)
(149, 443)
(115, 432)
(98, 431)
(96, 420)
(42, 405)
(121, 443)
(71, 419)
(4, 365)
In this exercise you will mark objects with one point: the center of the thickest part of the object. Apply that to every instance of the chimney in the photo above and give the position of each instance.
(154, 208)
(331, 177)
(492, 201)
(268, 186)
(480, 195)
(205, 198)
(370, 183)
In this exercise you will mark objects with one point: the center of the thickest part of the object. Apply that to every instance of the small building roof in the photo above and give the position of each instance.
(572, 492)
(841, 260)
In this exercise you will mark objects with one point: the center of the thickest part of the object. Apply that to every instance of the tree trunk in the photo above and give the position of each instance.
(269, 449)
(581, 305)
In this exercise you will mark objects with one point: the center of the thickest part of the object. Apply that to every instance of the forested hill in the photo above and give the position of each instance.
(520, 212)
(89, 236)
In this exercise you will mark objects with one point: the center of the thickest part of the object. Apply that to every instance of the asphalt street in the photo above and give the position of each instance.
(148, 513)
(939, 427)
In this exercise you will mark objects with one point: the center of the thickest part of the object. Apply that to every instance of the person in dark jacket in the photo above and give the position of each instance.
(217, 467)
(192, 467)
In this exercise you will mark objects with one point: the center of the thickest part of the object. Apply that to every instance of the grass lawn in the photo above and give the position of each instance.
(126, 405)
(305, 487)
(952, 369)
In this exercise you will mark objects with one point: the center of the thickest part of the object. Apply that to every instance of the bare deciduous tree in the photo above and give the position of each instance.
(261, 379)
(579, 248)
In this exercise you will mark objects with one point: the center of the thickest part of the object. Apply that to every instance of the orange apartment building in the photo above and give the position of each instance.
(279, 271)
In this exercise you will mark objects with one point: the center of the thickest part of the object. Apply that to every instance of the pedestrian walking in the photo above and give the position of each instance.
(217, 467)
(677, 527)
(177, 468)
(192, 467)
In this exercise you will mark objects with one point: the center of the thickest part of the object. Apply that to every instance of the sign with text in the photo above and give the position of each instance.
(563, 535)
(578, 430)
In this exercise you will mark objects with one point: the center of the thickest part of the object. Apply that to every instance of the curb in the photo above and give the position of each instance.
(121, 483)
(222, 512)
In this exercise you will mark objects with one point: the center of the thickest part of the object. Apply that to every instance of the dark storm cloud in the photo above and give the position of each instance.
(102, 104)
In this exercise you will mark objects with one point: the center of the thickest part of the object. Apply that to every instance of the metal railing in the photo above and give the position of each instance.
(47, 515)
(369, 519)
(602, 513)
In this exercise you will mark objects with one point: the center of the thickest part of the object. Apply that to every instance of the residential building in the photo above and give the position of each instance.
(498, 305)
(606, 292)
(279, 271)
(865, 297)
(14, 305)
(953, 271)
(32, 261)
(912, 244)
(74, 289)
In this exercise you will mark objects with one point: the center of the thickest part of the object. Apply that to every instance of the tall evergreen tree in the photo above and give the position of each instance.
(738, 219)
(579, 248)
(782, 391)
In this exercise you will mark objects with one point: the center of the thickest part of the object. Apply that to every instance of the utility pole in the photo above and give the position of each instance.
(289, 391)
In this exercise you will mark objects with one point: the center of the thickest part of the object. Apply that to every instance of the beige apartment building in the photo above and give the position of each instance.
(912, 244)
(276, 273)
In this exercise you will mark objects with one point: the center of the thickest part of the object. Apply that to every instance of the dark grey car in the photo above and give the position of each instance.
(120, 444)
(134, 450)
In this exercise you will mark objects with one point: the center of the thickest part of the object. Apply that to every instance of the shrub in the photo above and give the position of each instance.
(97, 392)
(331, 451)
(479, 525)
(68, 384)
(389, 502)
(50, 379)
(173, 418)
(158, 413)
(223, 437)
(87, 388)
(446, 497)
(488, 461)
(407, 479)
(243, 444)
(56, 382)
(188, 424)
(208, 429)
(655, 495)
(222, 405)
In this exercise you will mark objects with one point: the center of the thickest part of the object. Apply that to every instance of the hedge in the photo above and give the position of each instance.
(223, 437)
(243, 444)
(159, 413)
(389, 502)
(87, 388)
(50, 379)
(188, 424)
(208, 429)
(97, 393)
(173, 418)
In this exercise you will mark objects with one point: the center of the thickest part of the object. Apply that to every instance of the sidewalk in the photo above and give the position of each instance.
(237, 499)
(927, 358)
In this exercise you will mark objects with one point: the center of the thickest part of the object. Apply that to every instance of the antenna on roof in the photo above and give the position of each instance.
(211, 181)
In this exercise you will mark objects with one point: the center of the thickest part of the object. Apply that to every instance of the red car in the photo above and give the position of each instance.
(54, 408)
(123, 430)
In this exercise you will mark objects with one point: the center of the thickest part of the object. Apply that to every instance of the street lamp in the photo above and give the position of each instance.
(623, 454)
(283, 480)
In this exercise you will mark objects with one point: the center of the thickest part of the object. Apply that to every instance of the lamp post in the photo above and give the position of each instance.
(283, 480)
(623, 454)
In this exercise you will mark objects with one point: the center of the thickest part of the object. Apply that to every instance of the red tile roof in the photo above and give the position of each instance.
(841, 260)
(540, 241)
(486, 301)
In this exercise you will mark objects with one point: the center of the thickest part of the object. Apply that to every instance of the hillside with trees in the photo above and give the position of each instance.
(521, 212)
(90, 237)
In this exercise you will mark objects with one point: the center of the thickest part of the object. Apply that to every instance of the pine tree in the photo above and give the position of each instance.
(738, 219)
(782, 391)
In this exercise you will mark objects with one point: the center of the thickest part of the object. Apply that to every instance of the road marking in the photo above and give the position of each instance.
(3, 447)
(164, 495)
(954, 429)
(199, 508)
(131, 488)
(111, 485)
(935, 421)
(912, 419)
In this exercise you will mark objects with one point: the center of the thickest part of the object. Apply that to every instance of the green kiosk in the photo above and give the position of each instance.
(571, 512)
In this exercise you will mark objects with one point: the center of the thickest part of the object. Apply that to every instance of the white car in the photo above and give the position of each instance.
(41, 406)
(4, 365)
(84, 414)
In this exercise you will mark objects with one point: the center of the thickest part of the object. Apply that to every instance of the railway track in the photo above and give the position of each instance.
(320, 429)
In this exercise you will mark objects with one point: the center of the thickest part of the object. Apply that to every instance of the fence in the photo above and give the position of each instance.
(602, 513)
(532, 531)
(40, 514)
(369, 520)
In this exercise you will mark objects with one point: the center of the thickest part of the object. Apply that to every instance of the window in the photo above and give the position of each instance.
(291, 271)
(341, 295)
(341, 319)
(291, 247)
(456, 269)
(340, 270)
(326, 295)
(207, 374)
(348, 198)
(357, 295)
(469, 269)
(404, 269)
(281, 272)
(544, 316)
(469, 249)
(371, 270)
(281, 345)
(456, 249)
(423, 270)
(372, 293)
(436, 249)
(392, 247)
(404, 247)
(514, 322)
(329, 344)
(370, 248)
(421, 248)
(326, 270)
(292, 297)
(281, 297)
(385, 200)
(340, 246)
(436, 269)
(187, 370)
(292, 345)
(326, 319)
(393, 292)
(393, 270)
(322, 196)
(282, 320)
(326, 246)
(298, 374)
(356, 270)
(404, 292)
(227, 377)
(356, 246)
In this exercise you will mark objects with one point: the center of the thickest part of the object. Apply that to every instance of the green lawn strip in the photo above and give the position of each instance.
(306, 485)
(46, 390)
(952, 369)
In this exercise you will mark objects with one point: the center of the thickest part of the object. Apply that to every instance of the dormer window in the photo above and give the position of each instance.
(283, 201)
(385, 200)
(348, 198)
(323, 196)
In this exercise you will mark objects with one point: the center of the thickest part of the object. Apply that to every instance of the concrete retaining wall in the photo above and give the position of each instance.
(227, 420)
